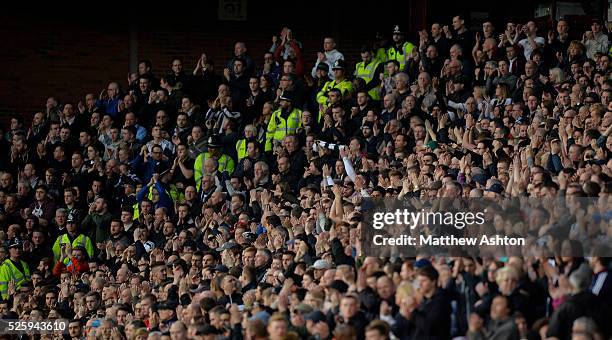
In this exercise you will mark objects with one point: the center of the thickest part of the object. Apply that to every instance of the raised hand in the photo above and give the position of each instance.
(337, 190)
(321, 57)
(343, 151)
(326, 171)
(12, 288)
(81, 107)
(446, 31)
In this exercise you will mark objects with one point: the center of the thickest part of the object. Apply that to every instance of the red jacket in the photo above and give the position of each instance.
(74, 266)
(299, 62)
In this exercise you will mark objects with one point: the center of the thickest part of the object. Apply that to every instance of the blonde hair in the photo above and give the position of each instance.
(557, 75)
(505, 91)
(405, 289)
(507, 272)
(479, 92)
(347, 272)
(577, 45)
(277, 317)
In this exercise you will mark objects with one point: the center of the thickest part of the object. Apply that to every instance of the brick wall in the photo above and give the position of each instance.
(56, 58)
(68, 60)
(53, 52)
(49, 51)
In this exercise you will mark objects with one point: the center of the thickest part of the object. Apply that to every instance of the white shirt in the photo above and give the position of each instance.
(527, 48)
(331, 57)
(599, 43)
(164, 144)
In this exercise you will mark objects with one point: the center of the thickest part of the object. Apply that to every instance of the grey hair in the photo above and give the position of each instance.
(586, 324)
(426, 75)
(392, 96)
(402, 75)
(264, 166)
(580, 279)
(457, 46)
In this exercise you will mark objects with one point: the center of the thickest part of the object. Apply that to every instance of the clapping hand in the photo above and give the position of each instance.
(337, 190)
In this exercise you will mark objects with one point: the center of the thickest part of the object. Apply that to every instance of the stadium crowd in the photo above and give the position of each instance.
(227, 202)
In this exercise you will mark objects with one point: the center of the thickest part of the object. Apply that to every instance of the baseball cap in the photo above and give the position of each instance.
(496, 188)
(480, 179)
(167, 305)
(262, 316)
(432, 144)
(323, 67)
(221, 268)
(315, 316)
(422, 263)
(321, 264)
(303, 308)
(227, 245)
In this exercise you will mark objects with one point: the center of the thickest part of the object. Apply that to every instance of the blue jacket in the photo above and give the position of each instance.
(110, 106)
(164, 198)
(144, 170)
(141, 133)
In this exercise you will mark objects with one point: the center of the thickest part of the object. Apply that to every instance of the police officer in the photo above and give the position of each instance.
(400, 49)
(215, 150)
(13, 270)
(369, 69)
(128, 197)
(284, 121)
(340, 82)
(72, 239)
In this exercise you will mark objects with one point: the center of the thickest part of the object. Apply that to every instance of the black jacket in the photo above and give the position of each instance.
(358, 322)
(578, 305)
(431, 320)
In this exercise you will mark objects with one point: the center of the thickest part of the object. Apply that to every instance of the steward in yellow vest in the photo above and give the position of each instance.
(13, 269)
(250, 132)
(369, 69)
(74, 239)
(284, 121)
(399, 50)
